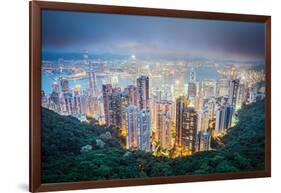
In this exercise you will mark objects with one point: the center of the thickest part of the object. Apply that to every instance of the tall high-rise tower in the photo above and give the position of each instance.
(186, 125)
(113, 105)
(203, 141)
(132, 93)
(191, 89)
(163, 123)
(181, 103)
(116, 107)
(77, 100)
(223, 118)
(64, 85)
(55, 97)
(233, 96)
(55, 87)
(132, 138)
(144, 126)
(106, 93)
(143, 92)
(68, 103)
(233, 92)
(242, 96)
(192, 75)
(91, 74)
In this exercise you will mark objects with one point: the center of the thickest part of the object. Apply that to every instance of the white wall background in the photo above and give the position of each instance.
(14, 95)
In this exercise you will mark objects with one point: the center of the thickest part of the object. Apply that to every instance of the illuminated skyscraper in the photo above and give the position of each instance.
(186, 125)
(223, 118)
(242, 96)
(191, 89)
(106, 92)
(132, 138)
(143, 92)
(55, 87)
(203, 142)
(199, 103)
(113, 105)
(209, 88)
(55, 101)
(68, 103)
(144, 126)
(205, 120)
(233, 97)
(64, 85)
(219, 120)
(211, 108)
(132, 93)
(178, 86)
(181, 104)
(222, 86)
(125, 104)
(84, 104)
(77, 104)
(54, 98)
(192, 75)
(91, 74)
(134, 66)
(207, 141)
(164, 126)
(163, 122)
(233, 92)
(77, 100)
(116, 108)
(252, 94)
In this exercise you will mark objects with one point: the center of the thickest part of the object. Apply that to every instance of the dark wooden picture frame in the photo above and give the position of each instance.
(35, 91)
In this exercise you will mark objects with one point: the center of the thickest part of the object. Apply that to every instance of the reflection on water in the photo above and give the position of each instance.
(202, 73)
(49, 78)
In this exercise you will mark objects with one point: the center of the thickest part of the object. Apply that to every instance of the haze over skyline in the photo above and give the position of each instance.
(72, 32)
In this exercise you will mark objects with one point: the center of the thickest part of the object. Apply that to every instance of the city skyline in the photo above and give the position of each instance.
(158, 110)
(153, 36)
(126, 96)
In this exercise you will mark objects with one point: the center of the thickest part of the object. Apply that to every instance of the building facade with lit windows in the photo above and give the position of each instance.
(163, 123)
(143, 92)
(223, 118)
(144, 130)
(132, 93)
(106, 94)
(64, 85)
(186, 126)
(233, 92)
(132, 134)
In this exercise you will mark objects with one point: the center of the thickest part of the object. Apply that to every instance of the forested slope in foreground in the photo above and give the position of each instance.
(75, 151)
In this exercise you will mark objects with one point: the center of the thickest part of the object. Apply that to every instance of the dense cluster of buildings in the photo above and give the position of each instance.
(180, 117)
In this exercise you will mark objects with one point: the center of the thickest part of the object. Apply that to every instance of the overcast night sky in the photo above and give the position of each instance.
(72, 32)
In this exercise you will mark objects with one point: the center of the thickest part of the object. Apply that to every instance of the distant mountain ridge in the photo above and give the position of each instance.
(54, 56)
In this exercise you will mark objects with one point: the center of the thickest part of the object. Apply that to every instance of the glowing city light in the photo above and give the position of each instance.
(160, 107)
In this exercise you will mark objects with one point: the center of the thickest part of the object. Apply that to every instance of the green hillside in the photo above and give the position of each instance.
(75, 151)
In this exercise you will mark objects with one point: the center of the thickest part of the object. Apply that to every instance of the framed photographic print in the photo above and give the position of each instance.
(123, 96)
